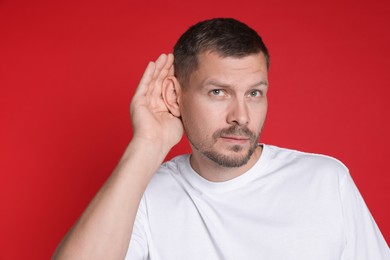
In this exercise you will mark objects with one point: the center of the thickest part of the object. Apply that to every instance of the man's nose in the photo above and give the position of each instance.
(238, 113)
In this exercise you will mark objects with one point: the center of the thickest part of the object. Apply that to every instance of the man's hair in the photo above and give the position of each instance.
(225, 36)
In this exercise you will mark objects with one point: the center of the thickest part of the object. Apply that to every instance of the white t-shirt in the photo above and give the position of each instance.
(289, 205)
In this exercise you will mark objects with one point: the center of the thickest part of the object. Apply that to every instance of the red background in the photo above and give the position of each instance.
(68, 71)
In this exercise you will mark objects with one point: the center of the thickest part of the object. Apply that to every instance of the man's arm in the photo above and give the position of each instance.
(104, 229)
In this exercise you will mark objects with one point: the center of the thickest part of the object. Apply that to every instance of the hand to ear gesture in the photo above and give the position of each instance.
(151, 119)
(104, 229)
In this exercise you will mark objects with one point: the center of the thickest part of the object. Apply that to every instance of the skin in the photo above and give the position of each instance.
(223, 94)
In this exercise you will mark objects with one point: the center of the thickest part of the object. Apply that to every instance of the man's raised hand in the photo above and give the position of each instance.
(151, 119)
(104, 229)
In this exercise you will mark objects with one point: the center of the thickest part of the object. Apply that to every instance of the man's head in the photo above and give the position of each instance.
(226, 37)
(220, 91)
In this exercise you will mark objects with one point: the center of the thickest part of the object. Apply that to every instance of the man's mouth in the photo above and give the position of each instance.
(235, 135)
(239, 139)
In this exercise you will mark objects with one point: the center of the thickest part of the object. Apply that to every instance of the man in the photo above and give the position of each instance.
(232, 198)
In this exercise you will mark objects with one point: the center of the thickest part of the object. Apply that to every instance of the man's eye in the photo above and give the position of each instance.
(217, 92)
(255, 93)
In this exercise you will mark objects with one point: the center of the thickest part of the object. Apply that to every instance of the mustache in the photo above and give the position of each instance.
(236, 130)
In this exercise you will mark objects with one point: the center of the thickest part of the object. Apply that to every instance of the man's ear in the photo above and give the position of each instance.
(170, 93)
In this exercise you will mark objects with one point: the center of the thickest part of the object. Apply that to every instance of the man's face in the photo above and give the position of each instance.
(224, 107)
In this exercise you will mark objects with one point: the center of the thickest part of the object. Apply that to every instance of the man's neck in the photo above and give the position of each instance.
(214, 172)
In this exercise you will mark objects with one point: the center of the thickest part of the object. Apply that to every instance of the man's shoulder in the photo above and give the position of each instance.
(174, 165)
(170, 174)
(287, 157)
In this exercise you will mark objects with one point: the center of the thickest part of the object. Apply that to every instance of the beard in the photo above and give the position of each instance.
(232, 160)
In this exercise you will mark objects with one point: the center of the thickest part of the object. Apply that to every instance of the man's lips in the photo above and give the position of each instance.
(235, 138)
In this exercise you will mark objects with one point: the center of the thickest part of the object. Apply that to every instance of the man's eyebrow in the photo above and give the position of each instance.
(226, 85)
(262, 82)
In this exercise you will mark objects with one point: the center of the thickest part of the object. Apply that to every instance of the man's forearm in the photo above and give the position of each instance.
(104, 229)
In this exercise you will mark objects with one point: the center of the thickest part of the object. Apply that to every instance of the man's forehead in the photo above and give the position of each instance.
(221, 55)
(206, 57)
(211, 62)
(214, 70)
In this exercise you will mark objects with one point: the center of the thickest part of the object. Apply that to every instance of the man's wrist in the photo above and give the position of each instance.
(146, 151)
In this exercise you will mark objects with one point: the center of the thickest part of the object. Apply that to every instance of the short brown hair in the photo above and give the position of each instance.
(225, 36)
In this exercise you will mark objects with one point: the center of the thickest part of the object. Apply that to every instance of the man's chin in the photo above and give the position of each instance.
(236, 157)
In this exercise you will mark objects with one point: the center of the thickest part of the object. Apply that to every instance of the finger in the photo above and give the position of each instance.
(171, 72)
(153, 87)
(172, 68)
(146, 79)
(164, 72)
(160, 62)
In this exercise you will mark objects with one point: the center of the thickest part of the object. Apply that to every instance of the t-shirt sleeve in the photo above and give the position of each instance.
(138, 246)
(364, 241)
